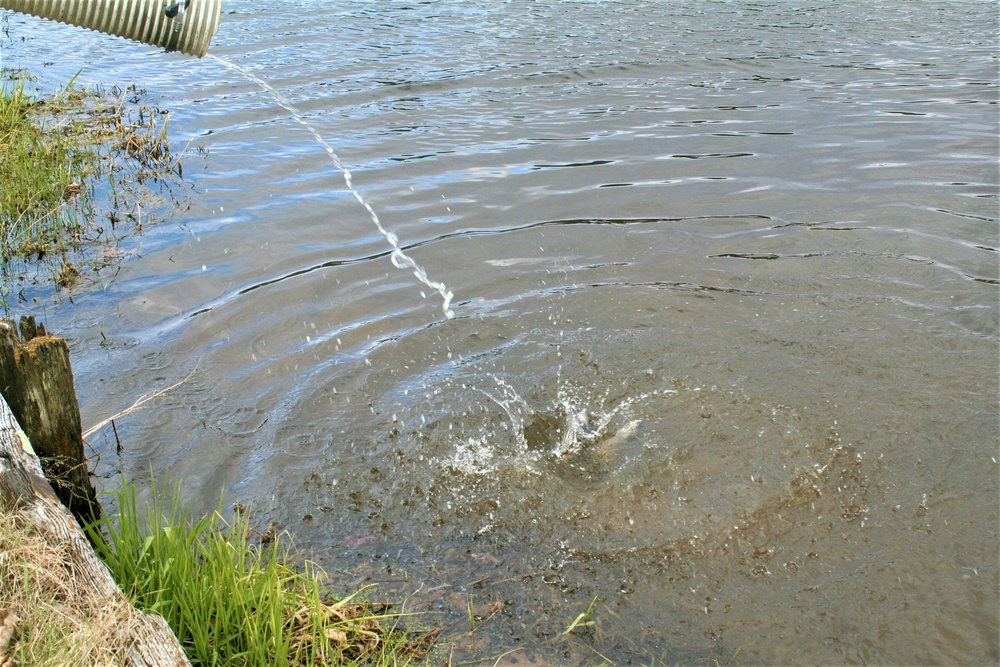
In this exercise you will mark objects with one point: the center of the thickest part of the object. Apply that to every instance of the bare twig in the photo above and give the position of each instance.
(145, 398)
(7, 627)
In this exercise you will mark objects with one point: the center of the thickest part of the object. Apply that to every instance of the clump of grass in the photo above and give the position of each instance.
(581, 621)
(46, 617)
(41, 170)
(73, 166)
(231, 599)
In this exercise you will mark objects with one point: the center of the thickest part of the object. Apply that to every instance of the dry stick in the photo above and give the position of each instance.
(118, 442)
(478, 660)
(527, 575)
(607, 660)
(7, 628)
(145, 398)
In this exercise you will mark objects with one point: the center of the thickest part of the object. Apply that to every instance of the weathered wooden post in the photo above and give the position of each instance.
(36, 380)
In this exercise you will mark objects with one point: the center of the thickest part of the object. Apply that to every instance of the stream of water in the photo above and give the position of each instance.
(399, 258)
(722, 352)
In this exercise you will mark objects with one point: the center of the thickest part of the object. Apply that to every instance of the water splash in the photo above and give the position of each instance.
(399, 258)
(587, 423)
(575, 421)
(514, 405)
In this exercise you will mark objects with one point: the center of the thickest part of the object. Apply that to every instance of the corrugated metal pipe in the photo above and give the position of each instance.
(175, 25)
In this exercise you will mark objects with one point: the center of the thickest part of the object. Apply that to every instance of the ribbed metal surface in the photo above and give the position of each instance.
(144, 21)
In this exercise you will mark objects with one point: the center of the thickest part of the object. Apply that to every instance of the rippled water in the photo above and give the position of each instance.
(725, 291)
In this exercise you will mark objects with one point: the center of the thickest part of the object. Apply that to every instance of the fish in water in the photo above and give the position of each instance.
(570, 433)
(607, 449)
(581, 432)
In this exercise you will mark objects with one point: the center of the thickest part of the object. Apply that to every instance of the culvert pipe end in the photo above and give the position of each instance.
(174, 25)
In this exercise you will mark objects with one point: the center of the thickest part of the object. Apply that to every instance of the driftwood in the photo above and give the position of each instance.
(36, 380)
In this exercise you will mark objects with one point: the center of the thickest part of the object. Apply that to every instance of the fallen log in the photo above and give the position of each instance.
(24, 489)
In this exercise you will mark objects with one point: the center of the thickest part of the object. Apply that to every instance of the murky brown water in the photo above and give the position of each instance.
(725, 345)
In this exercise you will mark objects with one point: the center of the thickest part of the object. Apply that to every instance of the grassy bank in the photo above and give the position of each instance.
(231, 595)
(47, 617)
(77, 167)
(42, 169)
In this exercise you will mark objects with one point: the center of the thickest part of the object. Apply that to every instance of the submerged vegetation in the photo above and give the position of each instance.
(232, 596)
(77, 167)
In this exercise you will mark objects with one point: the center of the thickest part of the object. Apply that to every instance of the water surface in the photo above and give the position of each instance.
(724, 347)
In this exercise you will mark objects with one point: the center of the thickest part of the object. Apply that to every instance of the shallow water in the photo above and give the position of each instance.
(724, 347)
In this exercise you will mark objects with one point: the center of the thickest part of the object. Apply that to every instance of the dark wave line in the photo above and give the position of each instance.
(469, 233)
(464, 233)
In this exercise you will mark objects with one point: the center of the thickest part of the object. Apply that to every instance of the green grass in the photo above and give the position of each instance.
(234, 599)
(79, 169)
(582, 620)
(42, 168)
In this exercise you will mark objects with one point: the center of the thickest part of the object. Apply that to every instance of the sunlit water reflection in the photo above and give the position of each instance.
(724, 345)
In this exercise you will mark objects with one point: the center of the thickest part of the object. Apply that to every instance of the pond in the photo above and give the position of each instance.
(723, 352)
